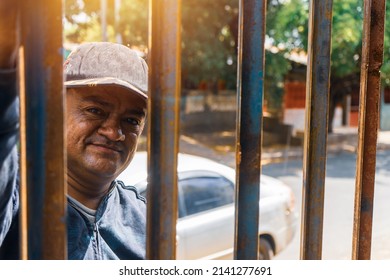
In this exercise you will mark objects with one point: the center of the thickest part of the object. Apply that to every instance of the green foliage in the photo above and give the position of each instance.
(287, 24)
(289, 30)
(276, 67)
(209, 37)
(386, 58)
(208, 45)
(81, 23)
(346, 37)
(133, 24)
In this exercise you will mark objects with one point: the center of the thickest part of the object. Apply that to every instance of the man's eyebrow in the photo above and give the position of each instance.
(136, 111)
(97, 100)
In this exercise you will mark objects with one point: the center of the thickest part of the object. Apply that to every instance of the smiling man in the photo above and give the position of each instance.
(102, 132)
(106, 108)
(106, 86)
(106, 103)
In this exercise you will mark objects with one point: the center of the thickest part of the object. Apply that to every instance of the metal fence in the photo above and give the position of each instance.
(43, 157)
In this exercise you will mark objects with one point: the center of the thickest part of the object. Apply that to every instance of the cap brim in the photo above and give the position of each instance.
(104, 82)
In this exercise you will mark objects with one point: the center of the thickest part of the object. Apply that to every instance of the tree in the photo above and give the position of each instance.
(209, 40)
(288, 30)
(208, 48)
(81, 21)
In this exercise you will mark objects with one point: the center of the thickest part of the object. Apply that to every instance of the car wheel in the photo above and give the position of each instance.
(265, 249)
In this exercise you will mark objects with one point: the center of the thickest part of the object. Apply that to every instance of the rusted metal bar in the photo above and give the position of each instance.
(372, 59)
(249, 127)
(163, 128)
(43, 164)
(317, 103)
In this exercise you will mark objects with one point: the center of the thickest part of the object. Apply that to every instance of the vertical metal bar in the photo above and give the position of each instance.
(23, 160)
(317, 103)
(103, 19)
(372, 59)
(249, 126)
(44, 164)
(163, 128)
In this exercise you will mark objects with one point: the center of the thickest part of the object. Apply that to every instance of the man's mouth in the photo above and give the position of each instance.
(107, 148)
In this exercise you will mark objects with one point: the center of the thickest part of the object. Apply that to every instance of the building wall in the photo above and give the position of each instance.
(385, 110)
(294, 107)
(206, 112)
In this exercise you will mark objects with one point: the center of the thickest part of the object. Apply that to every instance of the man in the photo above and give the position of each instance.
(106, 102)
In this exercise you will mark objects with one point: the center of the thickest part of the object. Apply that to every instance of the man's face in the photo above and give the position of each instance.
(103, 125)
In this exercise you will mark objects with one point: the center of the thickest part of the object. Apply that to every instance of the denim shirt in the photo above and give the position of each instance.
(9, 129)
(118, 231)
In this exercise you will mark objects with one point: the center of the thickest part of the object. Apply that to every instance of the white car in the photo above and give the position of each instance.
(205, 228)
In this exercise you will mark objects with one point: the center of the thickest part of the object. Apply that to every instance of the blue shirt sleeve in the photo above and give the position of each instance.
(9, 135)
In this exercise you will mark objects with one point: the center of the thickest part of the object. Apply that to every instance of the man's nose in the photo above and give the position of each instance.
(111, 129)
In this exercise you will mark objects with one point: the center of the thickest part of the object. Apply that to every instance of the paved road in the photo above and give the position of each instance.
(339, 189)
(339, 200)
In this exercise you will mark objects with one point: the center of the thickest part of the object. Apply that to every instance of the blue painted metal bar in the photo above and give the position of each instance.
(163, 128)
(317, 104)
(372, 59)
(43, 175)
(250, 86)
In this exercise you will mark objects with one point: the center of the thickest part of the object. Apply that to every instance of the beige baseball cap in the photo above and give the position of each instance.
(106, 64)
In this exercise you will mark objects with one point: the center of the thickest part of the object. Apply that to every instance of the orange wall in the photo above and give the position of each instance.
(295, 95)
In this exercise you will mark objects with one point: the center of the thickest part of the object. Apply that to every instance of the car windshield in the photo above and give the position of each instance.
(199, 191)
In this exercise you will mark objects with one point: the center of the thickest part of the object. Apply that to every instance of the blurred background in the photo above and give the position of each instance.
(208, 102)
(209, 64)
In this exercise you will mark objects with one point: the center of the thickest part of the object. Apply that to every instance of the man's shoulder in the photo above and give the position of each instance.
(129, 190)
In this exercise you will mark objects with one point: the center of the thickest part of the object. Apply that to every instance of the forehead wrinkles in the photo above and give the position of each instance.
(98, 100)
(131, 102)
(124, 101)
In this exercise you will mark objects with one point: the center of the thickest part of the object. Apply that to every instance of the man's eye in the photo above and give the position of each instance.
(133, 121)
(95, 111)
